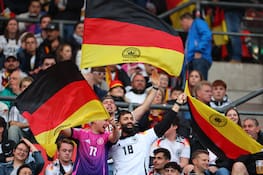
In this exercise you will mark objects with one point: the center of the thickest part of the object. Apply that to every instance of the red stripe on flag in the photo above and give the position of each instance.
(111, 32)
(61, 105)
(231, 150)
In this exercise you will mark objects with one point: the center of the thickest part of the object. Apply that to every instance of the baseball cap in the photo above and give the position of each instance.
(52, 27)
(10, 57)
(116, 83)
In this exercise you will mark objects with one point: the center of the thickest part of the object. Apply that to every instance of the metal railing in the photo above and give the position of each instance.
(236, 103)
(200, 3)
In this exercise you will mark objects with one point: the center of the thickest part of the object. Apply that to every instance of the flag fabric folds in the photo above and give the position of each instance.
(218, 133)
(61, 98)
(120, 32)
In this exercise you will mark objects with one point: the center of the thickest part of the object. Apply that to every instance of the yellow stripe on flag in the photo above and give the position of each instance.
(100, 55)
(93, 110)
(230, 130)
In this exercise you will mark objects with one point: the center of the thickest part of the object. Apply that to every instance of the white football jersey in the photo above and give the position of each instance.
(178, 148)
(131, 155)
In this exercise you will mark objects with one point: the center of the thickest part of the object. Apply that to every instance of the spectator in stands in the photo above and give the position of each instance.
(199, 44)
(161, 157)
(13, 85)
(51, 43)
(138, 112)
(24, 170)
(175, 92)
(66, 10)
(203, 91)
(63, 164)
(75, 40)
(148, 72)
(251, 126)
(19, 126)
(64, 53)
(116, 72)
(42, 35)
(47, 61)
(10, 64)
(232, 114)
(233, 18)
(172, 168)
(21, 153)
(99, 77)
(117, 90)
(178, 146)
(245, 165)
(154, 116)
(194, 77)
(164, 84)
(138, 92)
(200, 159)
(92, 80)
(29, 60)
(109, 104)
(7, 146)
(92, 149)
(132, 68)
(34, 12)
(9, 42)
(130, 154)
(219, 97)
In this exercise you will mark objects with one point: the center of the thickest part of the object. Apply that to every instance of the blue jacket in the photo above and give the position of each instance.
(199, 40)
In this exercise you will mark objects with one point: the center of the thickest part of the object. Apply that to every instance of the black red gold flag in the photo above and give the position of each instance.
(61, 98)
(218, 133)
(118, 31)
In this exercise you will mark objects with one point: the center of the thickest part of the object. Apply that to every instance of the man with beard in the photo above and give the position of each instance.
(131, 153)
(138, 92)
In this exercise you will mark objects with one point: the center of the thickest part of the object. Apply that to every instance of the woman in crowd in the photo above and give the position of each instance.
(233, 115)
(9, 42)
(194, 77)
(64, 52)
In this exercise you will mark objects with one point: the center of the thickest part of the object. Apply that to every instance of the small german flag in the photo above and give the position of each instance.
(118, 31)
(61, 98)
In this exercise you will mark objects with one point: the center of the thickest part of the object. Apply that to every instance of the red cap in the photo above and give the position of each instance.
(116, 83)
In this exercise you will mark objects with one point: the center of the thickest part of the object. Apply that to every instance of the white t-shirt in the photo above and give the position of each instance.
(135, 98)
(179, 148)
(131, 155)
(9, 47)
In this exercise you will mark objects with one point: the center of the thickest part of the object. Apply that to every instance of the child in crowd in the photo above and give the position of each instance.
(92, 147)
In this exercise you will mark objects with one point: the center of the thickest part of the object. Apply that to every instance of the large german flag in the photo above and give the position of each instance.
(61, 98)
(117, 31)
(218, 133)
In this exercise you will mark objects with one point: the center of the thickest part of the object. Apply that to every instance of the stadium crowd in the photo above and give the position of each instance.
(142, 141)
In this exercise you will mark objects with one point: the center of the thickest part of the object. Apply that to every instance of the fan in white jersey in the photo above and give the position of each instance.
(131, 153)
(178, 146)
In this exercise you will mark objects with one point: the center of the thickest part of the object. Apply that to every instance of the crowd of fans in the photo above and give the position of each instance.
(142, 141)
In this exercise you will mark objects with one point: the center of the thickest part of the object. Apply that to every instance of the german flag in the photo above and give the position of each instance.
(218, 133)
(61, 98)
(117, 31)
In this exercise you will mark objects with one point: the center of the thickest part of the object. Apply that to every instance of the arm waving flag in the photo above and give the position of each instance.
(61, 98)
